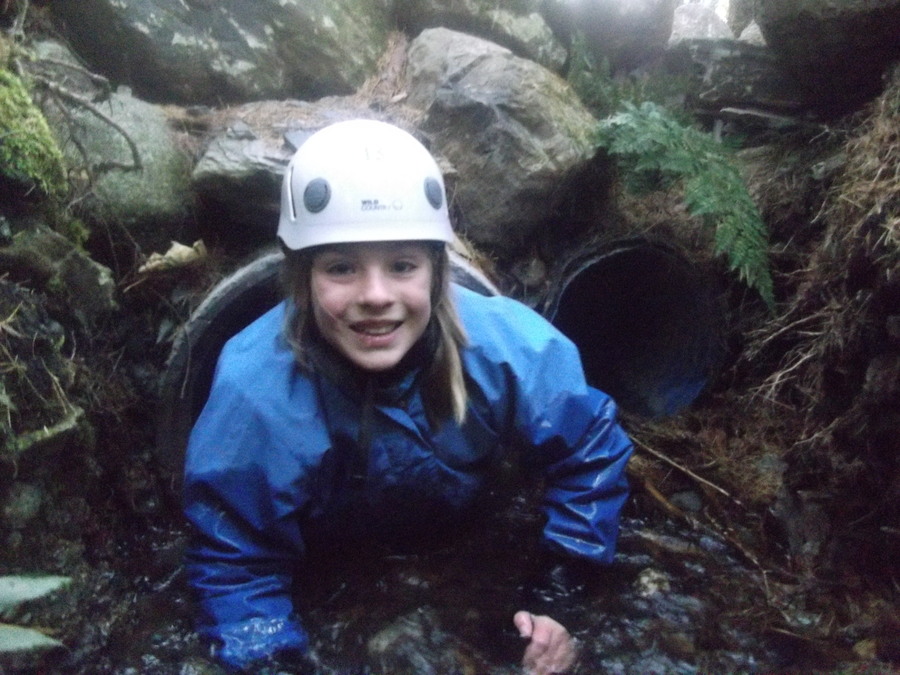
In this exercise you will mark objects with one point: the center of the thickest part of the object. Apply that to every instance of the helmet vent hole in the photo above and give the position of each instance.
(316, 195)
(433, 192)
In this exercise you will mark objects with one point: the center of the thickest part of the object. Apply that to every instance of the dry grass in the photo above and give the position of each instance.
(34, 376)
(810, 404)
(867, 198)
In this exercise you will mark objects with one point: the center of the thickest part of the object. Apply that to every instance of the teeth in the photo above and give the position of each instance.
(378, 330)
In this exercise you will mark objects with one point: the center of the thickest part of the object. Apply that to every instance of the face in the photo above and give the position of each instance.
(372, 301)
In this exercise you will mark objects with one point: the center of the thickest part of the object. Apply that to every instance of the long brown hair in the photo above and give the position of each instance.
(443, 384)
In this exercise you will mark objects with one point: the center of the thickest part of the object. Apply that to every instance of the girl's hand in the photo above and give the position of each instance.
(550, 650)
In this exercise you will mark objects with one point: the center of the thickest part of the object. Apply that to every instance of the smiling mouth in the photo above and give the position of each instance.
(376, 329)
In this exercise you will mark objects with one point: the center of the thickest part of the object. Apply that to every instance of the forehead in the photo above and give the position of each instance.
(374, 249)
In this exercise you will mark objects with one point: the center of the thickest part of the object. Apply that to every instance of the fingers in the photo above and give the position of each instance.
(524, 622)
(550, 650)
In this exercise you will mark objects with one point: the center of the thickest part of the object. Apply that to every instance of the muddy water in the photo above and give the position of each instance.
(677, 600)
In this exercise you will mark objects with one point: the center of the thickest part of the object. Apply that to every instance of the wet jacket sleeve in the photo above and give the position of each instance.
(565, 428)
(241, 497)
(585, 461)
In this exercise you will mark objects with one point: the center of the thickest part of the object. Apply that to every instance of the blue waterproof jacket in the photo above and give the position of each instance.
(274, 461)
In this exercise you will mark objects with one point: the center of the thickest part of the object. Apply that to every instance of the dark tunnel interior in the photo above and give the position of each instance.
(649, 325)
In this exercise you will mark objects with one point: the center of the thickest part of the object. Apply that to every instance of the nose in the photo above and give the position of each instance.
(375, 288)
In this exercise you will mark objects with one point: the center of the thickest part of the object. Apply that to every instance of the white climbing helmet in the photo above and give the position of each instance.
(362, 180)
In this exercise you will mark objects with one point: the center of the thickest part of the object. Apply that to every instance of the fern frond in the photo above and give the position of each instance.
(654, 151)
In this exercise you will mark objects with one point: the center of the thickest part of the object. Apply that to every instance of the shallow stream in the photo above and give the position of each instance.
(677, 600)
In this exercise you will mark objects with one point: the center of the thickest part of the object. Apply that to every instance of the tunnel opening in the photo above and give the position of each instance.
(649, 324)
(234, 303)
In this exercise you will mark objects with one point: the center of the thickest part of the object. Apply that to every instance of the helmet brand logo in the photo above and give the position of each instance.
(373, 205)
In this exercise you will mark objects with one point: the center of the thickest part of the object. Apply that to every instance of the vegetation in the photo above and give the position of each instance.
(603, 93)
(34, 375)
(29, 154)
(803, 425)
(656, 152)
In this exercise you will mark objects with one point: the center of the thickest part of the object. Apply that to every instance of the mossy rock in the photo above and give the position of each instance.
(30, 159)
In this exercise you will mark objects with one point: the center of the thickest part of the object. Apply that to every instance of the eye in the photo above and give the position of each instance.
(339, 268)
(403, 266)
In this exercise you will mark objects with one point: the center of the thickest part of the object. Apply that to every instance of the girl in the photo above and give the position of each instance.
(376, 399)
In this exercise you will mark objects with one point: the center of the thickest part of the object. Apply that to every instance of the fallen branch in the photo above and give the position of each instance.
(666, 505)
(660, 456)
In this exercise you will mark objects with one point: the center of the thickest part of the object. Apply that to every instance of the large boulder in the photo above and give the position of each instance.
(153, 202)
(624, 33)
(516, 25)
(490, 117)
(838, 50)
(229, 50)
(729, 73)
(740, 15)
(130, 166)
(513, 131)
(44, 260)
(696, 21)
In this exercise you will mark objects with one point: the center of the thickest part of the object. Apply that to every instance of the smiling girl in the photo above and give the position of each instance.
(378, 400)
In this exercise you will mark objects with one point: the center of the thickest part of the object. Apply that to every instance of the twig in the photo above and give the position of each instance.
(643, 446)
(18, 28)
(777, 380)
(97, 79)
(667, 506)
(6, 324)
(714, 526)
(64, 93)
(794, 325)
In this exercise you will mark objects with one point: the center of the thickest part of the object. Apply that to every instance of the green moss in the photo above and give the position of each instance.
(29, 154)
(75, 230)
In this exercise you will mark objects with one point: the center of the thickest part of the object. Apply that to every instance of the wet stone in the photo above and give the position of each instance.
(651, 582)
(415, 644)
(23, 502)
(688, 501)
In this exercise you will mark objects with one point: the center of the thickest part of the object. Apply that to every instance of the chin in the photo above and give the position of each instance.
(378, 365)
